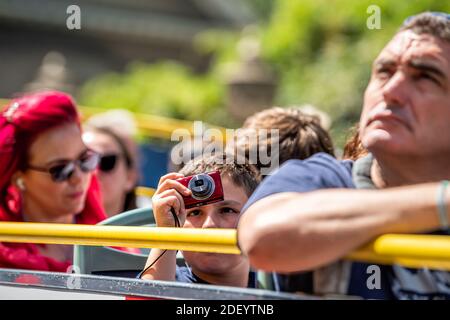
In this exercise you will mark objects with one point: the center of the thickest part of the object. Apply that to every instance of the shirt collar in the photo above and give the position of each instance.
(361, 173)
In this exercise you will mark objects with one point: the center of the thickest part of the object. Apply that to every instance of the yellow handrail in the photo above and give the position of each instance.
(149, 125)
(144, 191)
(155, 126)
(190, 239)
(414, 251)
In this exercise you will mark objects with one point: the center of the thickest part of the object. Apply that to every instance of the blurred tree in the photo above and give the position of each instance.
(322, 51)
(261, 8)
(167, 88)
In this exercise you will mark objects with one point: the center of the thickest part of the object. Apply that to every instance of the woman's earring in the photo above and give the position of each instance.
(20, 184)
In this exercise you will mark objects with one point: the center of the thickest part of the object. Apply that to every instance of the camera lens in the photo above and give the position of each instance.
(202, 186)
(198, 183)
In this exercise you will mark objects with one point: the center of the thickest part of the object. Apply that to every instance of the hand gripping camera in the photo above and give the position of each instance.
(206, 188)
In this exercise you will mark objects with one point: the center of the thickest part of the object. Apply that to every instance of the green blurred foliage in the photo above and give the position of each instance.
(167, 88)
(322, 51)
(261, 8)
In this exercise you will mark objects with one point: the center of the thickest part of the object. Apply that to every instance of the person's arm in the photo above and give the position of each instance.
(166, 197)
(164, 268)
(288, 232)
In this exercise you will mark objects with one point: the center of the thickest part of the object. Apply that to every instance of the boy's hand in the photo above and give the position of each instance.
(167, 196)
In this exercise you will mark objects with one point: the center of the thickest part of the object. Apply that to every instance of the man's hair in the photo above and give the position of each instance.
(429, 23)
(242, 175)
(300, 135)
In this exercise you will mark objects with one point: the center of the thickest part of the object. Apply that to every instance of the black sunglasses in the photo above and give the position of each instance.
(108, 162)
(62, 172)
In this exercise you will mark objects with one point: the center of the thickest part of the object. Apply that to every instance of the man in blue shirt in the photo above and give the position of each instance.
(297, 220)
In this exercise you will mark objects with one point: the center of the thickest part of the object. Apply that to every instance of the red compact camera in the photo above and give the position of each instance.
(206, 188)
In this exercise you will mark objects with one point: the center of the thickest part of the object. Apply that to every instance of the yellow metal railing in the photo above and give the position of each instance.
(191, 239)
(144, 192)
(414, 251)
(149, 125)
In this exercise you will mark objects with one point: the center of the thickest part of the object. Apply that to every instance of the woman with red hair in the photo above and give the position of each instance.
(45, 176)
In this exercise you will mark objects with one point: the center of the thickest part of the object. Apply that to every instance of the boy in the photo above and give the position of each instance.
(239, 181)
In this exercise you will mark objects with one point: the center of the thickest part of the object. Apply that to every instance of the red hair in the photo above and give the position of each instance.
(21, 121)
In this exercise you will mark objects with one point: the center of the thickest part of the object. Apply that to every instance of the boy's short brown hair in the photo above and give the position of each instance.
(300, 135)
(243, 175)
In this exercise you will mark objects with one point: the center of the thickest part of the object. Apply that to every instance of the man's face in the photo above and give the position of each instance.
(407, 102)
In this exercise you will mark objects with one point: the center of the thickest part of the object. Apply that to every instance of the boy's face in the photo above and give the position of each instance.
(224, 214)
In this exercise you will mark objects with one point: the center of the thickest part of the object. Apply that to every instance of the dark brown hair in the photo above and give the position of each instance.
(300, 135)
